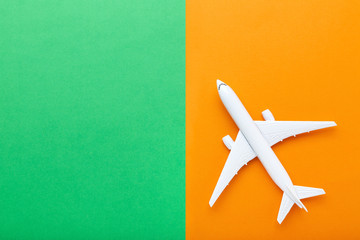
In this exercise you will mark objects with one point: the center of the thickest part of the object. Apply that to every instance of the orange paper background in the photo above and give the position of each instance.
(300, 59)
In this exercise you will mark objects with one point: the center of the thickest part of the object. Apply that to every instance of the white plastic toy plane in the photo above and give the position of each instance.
(255, 139)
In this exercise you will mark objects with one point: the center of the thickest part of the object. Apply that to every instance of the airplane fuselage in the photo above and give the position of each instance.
(257, 142)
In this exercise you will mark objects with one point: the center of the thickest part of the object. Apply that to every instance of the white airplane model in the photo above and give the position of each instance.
(255, 139)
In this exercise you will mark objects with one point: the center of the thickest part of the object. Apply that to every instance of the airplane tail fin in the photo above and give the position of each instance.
(302, 192)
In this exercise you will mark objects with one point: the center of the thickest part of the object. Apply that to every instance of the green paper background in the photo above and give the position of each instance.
(92, 119)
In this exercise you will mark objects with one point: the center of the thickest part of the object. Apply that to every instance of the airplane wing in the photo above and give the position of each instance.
(241, 153)
(276, 131)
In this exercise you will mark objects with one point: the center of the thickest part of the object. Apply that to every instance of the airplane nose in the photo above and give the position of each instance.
(219, 84)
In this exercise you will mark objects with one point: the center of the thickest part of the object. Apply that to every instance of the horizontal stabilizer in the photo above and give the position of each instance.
(302, 192)
(286, 205)
(307, 192)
